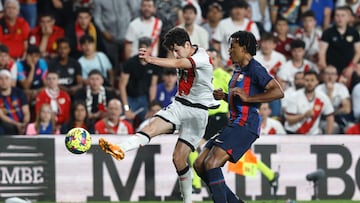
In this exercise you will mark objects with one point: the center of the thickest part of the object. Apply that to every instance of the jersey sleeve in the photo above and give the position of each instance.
(262, 76)
(326, 36)
(200, 60)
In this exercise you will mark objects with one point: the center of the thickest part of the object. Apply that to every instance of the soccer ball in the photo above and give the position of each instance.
(78, 140)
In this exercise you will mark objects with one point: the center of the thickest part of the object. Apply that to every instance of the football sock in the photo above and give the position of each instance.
(135, 141)
(196, 180)
(230, 196)
(185, 184)
(265, 170)
(217, 185)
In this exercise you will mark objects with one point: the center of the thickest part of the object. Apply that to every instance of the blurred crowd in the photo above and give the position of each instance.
(74, 63)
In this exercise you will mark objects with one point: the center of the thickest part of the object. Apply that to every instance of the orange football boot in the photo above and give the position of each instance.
(112, 149)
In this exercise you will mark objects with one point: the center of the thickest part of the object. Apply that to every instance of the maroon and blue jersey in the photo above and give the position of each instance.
(253, 79)
(12, 104)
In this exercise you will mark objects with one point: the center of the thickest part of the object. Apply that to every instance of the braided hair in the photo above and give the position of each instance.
(245, 39)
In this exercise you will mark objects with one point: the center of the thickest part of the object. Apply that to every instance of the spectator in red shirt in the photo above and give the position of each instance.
(283, 37)
(45, 35)
(112, 123)
(83, 26)
(14, 31)
(58, 99)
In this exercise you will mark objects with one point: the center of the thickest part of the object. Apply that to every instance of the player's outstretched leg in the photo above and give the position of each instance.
(112, 149)
(132, 142)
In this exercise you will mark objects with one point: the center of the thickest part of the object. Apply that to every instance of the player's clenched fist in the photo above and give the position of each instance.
(218, 94)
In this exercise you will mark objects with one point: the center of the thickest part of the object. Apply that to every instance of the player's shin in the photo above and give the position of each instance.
(185, 182)
(135, 141)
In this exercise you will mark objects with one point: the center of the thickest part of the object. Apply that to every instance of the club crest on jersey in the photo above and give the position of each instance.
(240, 77)
(317, 107)
(349, 38)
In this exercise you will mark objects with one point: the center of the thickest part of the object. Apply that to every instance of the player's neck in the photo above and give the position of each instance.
(246, 61)
(310, 95)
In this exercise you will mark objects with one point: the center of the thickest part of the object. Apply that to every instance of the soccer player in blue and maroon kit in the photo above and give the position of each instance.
(250, 85)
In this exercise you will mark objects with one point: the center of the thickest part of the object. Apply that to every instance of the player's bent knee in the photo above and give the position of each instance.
(212, 162)
(179, 160)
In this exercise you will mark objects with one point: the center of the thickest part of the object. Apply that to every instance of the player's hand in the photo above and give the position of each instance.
(144, 54)
(241, 93)
(218, 94)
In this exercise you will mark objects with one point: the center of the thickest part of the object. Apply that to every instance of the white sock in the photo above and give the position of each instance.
(134, 142)
(185, 181)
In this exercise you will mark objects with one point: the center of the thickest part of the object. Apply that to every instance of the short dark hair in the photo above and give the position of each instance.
(281, 18)
(82, 10)
(345, 8)
(170, 71)
(145, 41)
(4, 49)
(95, 72)
(176, 36)
(212, 49)
(46, 14)
(86, 38)
(308, 13)
(33, 49)
(154, 103)
(189, 7)
(297, 43)
(239, 4)
(311, 72)
(62, 40)
(268, 36)
(247, 40)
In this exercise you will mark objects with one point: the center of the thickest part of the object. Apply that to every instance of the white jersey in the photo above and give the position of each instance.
(139, 28)
(199, 36)
(274, 64)
(299, 104)
(195, 84)
(312, 42)
(288, 94)
(340, 92)
(272, 127)
(288, 70)
(226, 28)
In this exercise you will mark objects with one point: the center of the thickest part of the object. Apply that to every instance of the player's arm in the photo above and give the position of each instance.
(295, 118)
(165, 62)
(272, 92)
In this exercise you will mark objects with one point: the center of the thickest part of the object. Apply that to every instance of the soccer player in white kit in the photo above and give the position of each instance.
(188, 112)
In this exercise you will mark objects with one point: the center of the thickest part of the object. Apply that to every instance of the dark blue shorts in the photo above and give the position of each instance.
(234, 139)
